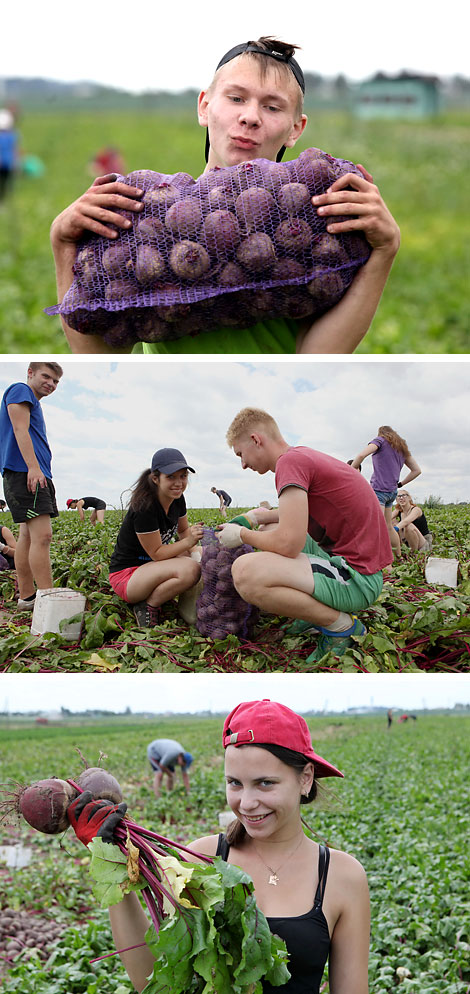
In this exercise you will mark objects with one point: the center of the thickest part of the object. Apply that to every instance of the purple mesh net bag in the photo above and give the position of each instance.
(220, 609)
(240, 244)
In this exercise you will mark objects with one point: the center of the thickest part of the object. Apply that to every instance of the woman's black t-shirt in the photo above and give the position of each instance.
(128, 551)
(306, 936)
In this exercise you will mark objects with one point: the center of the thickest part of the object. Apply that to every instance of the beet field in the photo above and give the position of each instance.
(420, 168)
(402, 810)
(413, 626)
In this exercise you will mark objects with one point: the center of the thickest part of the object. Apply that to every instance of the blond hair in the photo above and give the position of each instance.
(394, 439)
(248, 420)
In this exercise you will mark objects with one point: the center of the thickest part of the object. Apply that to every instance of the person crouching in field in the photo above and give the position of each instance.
(252, 109)
(7, 548)
(98, 507)
(410, 520)
(147, 568)
(328, 500)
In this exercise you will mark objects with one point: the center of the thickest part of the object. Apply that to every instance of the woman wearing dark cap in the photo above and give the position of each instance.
(147, 568)
(313, 897)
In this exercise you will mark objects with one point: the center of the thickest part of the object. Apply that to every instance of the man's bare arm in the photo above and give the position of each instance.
(341, 329)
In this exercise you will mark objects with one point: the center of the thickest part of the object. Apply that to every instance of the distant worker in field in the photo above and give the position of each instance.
(25, 464)
(252, 109)
(163, 755)
(8, 151)
(3, 505)
(410, 521)
(389, 717)
(98, 507)
(7, 548)
(224, 500)
(108, 160)
(389, 453)
(319, 496)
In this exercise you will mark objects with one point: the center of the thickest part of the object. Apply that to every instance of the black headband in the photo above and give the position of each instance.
(288, 60)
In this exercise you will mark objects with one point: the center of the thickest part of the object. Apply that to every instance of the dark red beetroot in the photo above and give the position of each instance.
(101, 783)
(44, 805)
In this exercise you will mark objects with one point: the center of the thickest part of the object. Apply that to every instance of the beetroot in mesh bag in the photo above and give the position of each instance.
(240, 244)
(220, 609)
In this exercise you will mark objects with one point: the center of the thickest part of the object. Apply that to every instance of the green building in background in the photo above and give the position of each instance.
(407, 95)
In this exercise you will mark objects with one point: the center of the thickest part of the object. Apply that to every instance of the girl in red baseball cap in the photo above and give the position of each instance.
(313, 897)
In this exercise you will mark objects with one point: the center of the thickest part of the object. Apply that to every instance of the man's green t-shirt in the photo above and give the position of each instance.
(274, 335)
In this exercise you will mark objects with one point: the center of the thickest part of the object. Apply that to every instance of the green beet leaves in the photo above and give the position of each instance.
(224, 946)
(217, 942)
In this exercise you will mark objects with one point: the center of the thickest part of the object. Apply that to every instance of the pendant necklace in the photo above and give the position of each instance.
(273, 874)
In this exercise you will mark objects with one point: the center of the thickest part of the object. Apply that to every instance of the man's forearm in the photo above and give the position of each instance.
(343, 327)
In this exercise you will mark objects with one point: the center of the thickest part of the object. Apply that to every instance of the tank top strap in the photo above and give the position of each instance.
(223, 847)
(323, 864)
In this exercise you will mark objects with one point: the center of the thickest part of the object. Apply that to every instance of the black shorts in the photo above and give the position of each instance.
(20, 500)
(97, 505)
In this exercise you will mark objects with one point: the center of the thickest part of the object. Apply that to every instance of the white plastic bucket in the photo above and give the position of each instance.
(442, 571)
(55, 605)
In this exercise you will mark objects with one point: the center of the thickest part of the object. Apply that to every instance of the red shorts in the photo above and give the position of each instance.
(120, 580)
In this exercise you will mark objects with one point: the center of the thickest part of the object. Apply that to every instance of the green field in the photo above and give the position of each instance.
(402, 810)
(413, 626)
(420, 167)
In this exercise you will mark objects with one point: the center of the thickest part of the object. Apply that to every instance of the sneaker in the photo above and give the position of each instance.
(336, 642)
(299, 627)
(146, 615)
(28, 605)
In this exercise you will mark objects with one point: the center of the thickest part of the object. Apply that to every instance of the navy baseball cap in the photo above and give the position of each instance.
(169, 461)
(188, 759)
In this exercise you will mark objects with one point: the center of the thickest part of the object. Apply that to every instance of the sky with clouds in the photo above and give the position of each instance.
(158, 46)
(106, 419)
(195, 692)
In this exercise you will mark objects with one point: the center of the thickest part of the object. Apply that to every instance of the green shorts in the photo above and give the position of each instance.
(339, 585)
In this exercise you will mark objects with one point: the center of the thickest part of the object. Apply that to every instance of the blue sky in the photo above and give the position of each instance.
(106, 419)
(159, 46)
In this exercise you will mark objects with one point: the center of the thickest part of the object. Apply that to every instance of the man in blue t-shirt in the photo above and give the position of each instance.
(25, 464)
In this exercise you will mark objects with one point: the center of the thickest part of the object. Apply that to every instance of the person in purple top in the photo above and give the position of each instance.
(389, 453)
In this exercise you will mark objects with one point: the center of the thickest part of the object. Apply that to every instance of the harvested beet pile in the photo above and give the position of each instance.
(240, 244)
(220, 609)
(21, 930)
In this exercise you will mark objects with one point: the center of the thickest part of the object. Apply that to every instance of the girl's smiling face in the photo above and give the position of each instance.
(171, 487)
(263, 792)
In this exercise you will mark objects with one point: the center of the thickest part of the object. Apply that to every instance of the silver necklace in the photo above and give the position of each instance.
(273, 874)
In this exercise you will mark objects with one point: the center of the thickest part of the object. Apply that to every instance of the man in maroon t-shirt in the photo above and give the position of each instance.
(349, 546)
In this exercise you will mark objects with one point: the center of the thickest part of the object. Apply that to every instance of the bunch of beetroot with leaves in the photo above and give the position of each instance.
(253, 218)
(206, 932)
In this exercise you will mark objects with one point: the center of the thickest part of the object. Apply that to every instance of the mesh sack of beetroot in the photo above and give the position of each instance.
(220, 609)
(240, 244)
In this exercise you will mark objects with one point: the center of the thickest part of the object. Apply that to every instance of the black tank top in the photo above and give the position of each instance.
(306, 936)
